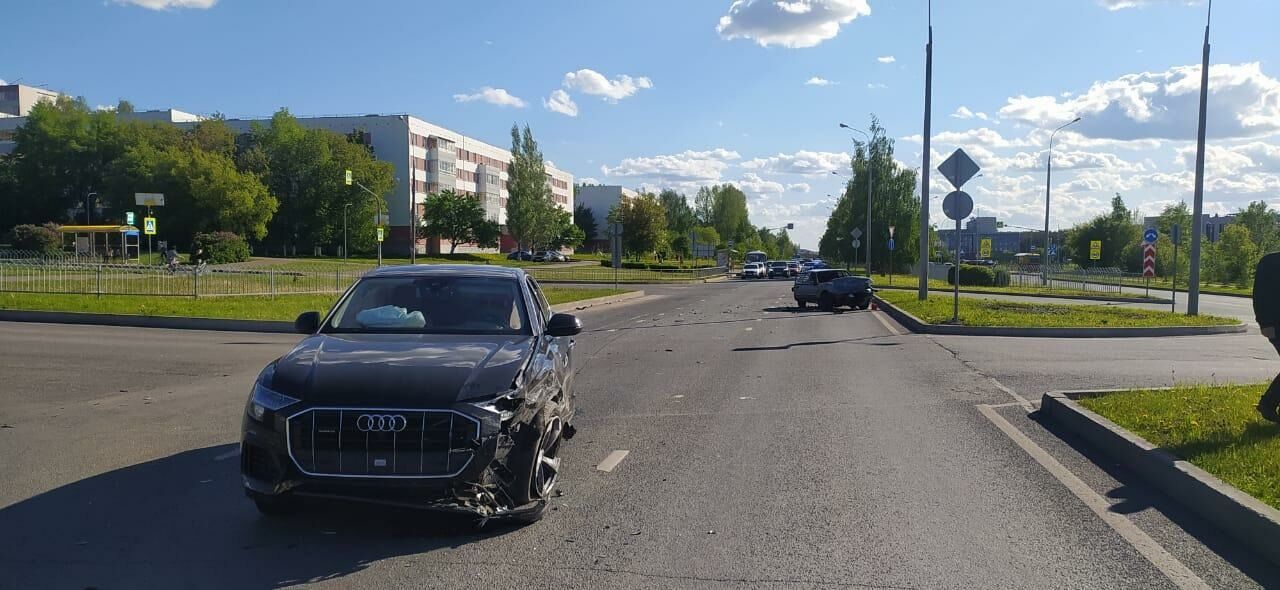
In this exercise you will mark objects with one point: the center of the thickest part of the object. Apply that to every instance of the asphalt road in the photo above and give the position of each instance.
(766, 448)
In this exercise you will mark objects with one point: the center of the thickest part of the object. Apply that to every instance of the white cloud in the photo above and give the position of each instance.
(588, 81)
(686, 169)
(817, 81)
(168, 4)
(1114, 5)
(588, 180)
(498, 96)
(800, 187)
(876, 86)
(964, 113)
(754, 186)
(1244, 102)
(561, 102)
(794, 23)
(802, 162)
(886, 59)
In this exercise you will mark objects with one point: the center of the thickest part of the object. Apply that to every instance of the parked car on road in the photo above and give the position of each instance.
(549, 256)
(520, 255)
(777, 268)
(445, 387)
(753, 270)
(793, 268)
(832, 288)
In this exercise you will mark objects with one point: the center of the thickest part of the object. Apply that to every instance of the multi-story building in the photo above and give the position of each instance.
(16, 100)
(600, 198)
(428, 158)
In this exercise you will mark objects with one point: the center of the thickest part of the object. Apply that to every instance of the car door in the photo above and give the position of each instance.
(558, 350)
(804, 287)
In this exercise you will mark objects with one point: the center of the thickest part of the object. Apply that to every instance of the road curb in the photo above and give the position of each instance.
(914, 324)
(1236, 513)
(597, 301)
(1154, 300)
(142, 321)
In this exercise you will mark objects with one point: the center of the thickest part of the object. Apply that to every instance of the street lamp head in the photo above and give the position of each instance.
(1076, 120)
(843, 126)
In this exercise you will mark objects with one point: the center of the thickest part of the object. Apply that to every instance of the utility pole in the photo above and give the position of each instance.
(1048, 180)
(1197, 209)
(923, 259)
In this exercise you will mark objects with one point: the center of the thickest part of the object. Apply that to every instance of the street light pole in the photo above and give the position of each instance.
(1197, 209)
(87, 209)
(923, 258)
(1048, 176)
(344, 231)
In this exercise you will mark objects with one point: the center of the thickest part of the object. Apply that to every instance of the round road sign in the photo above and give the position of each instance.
(957, 205)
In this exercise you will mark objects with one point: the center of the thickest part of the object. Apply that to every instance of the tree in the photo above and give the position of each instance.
(530, 209)
(727, 211)
(1231, 260)
(1262, 223)
(704, 237)
(567, 233)
(702, 205)
(585, 219)
(894, 204)
(680, 218)
(453, 217)
(644, 223)
(1173, 214)
(488, 234)
(1117, 232)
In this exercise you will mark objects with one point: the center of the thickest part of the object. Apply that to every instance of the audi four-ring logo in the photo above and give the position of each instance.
(381, 423)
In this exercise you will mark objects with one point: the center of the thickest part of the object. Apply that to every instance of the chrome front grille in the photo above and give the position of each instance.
(381, 442)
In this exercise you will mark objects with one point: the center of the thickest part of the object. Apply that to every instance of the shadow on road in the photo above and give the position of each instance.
(184, 520)
(863, 340)
(1136, 495)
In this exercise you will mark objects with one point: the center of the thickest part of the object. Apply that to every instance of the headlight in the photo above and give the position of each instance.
(504, 405)
(264, 399)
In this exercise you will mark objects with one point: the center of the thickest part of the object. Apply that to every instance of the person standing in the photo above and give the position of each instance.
(1266, 308)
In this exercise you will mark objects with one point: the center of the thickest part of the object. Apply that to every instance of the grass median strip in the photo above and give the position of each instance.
(1214, 427)
(281, 307)
(976, 311)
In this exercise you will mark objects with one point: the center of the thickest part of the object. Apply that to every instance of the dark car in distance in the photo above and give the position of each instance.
(520, 255)
(778, 268)
(831, 288)
(446, 387)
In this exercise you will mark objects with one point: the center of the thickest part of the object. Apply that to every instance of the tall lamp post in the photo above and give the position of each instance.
(922, 292)
(870, 180)
(88, 209)
(1197, 208)
(344, 231)
(1048, 186)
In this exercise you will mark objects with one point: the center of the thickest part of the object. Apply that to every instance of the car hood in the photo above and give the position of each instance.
(398, 370)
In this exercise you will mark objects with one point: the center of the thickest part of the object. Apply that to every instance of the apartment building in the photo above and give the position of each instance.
(428, 158)
(600, 198)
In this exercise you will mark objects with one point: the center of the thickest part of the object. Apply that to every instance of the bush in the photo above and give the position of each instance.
(1002, 278)
(973, 276)
(665, 267)
(44, 239)
(606, 263)
(222, 247)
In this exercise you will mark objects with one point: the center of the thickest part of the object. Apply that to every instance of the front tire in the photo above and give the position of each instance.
(537, 466)
(801, 304)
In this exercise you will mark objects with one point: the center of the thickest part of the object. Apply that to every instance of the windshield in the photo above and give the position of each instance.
(432, 305)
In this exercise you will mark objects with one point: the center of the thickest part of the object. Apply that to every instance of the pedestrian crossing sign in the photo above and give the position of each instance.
(149, 226)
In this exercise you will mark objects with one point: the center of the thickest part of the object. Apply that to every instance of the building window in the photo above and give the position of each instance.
(447, 167)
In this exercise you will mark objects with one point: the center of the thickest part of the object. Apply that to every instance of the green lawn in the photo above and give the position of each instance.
(976, 311)
(1215, 427)
(282, 307)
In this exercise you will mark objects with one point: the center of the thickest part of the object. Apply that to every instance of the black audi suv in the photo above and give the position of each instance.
(439, 387)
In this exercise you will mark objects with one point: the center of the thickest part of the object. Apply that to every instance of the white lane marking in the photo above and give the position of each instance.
(880, 317)
(612, 461)
(748, 329)
(677, 396)
(227, 455)
(1179, 574)
(1022, 401)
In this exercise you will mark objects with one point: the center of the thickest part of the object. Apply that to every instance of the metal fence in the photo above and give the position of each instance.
(1092, 280)
(72, 275)
(185, 281)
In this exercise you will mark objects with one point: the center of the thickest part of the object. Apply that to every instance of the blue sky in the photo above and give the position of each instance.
(685, 93)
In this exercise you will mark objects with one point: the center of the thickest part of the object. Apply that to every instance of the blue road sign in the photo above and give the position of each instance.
(891, 244)
(1150, 235)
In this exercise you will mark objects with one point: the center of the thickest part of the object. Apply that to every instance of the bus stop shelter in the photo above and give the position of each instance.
(109, 242)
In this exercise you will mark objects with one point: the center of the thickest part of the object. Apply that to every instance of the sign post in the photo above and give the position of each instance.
(856, 243)
(891, 248)
(1176, 233)
(1149, 238)
(957, 169)
(149, 200)
(615, 237)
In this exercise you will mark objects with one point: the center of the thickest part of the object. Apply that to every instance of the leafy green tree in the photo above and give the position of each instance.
(644, 223)
(894, 203)
(1117, 232)
(531, 212)
(678, 243)
(1262, 224)
(488, 234)
(452, 216)
(568, 234)
(705, 236)
(1231, 260)
(680, 217)
(585, 219)
(703, 203)
(728, 212)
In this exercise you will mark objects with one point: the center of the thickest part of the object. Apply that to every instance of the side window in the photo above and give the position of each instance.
(802, 278)
(544, 308)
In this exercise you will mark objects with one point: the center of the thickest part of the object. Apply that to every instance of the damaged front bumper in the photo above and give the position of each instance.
(308, 452)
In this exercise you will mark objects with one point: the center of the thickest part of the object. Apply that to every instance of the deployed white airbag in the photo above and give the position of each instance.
(390, 316)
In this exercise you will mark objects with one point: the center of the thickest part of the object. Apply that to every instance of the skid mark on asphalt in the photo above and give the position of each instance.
(1175, 570)
(612, 461)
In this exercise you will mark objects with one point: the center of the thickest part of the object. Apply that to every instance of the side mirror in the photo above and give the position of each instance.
(564, 324)
(308, 322)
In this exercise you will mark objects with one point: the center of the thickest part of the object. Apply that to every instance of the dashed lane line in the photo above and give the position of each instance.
(612, 461)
